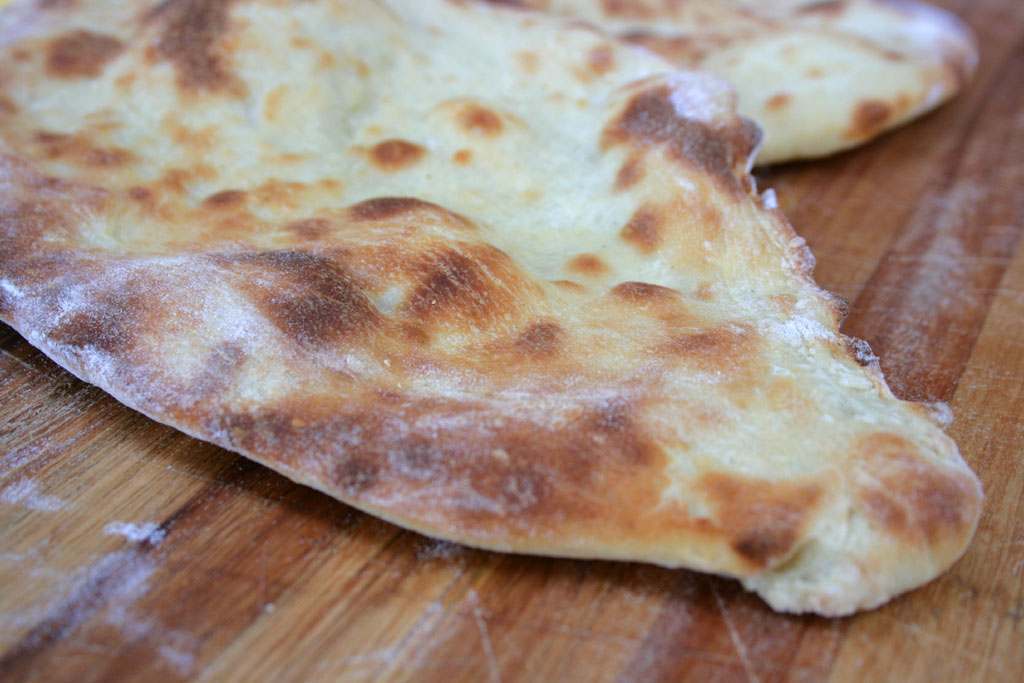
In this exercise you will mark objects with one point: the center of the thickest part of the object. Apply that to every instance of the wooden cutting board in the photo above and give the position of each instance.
(130, 551)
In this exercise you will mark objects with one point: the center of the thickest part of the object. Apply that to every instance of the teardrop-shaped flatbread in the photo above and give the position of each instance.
(495, 279)
(818, 76)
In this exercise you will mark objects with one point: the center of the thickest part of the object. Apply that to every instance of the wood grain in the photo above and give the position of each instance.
(232, 572)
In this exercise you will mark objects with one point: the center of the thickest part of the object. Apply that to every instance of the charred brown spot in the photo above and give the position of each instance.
(452, 282)
(724, 345)
(389, 208)
(108, 324)
(76, 149)
(24, 223)
(106, 158)
(643, 230)
(191, 29)
(911, 497)
(414, 334)
(355, 475)
(630, 173)
(309, 229)
(710, 219)
(682, 49)
(384, 208)
(642, 292)
(289, 195)
(601, 59)
(310, 298)
(868, 118)
(143, 195)
(256, 430)
(761, 544)
(520, 4)
(81, 54)
(536, 470)
(778, 101)
(627, 9)
(53, 141)
(883, 509)
(462, 156)
(227, 199)
(217, 374)
(540, 339)
(7, 105)
(477, 119)
(569, 284)
(651, 118)
(588, 264)
(415, 456)
(859, 350)
(616, 422)
(764, 519)
(830, 8)
(203, 138)
(392, 155)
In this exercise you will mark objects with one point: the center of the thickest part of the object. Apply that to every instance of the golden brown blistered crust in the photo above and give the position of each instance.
(652, 120)
(644, 229)
(111, 324)
(406, 209)
(189, 31)
(518, 474)
(921, 502)
(587, 264)
(81, 54)
(630, 173)
(78, 150)
(766, 518)
(723, 347)
(541, 339)
(481, 120)
(393, 155)
(869, 117)
(778, 45)
(308, 297)
(420, 359)
(824, 7)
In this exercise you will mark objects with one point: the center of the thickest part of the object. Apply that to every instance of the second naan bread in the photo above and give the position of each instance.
(818, 76)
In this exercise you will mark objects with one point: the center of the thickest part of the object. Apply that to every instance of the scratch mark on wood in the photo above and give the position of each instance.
(734, 635)
(360, 660)
(932, 640)
(263, 576)
(485, 638)
(383, 655)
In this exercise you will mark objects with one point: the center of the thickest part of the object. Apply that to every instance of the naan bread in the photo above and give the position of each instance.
(494, 279)
(818, 76)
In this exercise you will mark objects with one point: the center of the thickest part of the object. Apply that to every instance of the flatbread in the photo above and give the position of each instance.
(818, 76)
(492, 278)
